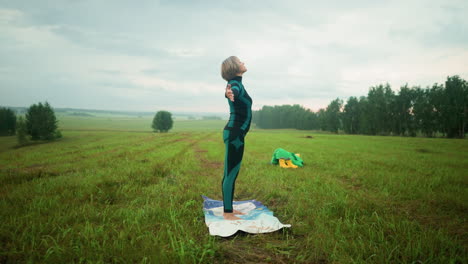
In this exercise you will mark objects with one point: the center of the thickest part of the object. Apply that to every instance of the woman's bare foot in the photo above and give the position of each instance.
(230, 216)
(238, 212)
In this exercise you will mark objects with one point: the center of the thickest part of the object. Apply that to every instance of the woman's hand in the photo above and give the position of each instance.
(229, 93)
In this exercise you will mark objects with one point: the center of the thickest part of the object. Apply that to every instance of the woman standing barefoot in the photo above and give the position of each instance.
(240, 105)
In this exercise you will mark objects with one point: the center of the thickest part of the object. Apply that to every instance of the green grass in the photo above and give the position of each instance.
(104, 195)
(133, 124)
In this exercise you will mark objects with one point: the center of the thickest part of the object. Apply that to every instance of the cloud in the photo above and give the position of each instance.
(168, 53)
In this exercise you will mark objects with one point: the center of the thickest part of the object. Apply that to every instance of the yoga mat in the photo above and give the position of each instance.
(257, 218)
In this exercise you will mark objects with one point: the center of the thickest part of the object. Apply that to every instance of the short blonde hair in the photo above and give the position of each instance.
(230, 68)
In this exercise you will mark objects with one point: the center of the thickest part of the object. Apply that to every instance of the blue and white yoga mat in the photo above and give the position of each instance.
(257, 218)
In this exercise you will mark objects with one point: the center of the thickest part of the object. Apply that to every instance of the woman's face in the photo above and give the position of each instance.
(241, 66)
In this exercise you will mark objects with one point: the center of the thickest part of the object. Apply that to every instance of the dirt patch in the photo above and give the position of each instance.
(308, 137)
(186, 139)
(100, 154)
(18, 176)
(177, 140)
(423, 150)
(208, 164)
(213, 164)
(35, 166)
(205, 163)
(148, 139)
(352, 183)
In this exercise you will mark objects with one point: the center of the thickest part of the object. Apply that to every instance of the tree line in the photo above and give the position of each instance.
(438, 110)
(40, 123)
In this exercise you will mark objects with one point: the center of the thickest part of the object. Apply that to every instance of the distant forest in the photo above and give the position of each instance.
(440, 110)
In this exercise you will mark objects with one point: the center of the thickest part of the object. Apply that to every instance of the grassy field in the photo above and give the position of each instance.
(112, 191)
(133, 124)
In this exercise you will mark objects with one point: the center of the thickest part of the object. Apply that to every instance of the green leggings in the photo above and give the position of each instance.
(234, 141)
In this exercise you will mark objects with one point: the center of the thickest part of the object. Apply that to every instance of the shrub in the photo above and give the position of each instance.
(41, 122)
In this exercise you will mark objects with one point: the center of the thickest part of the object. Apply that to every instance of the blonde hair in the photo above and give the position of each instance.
(230, 68)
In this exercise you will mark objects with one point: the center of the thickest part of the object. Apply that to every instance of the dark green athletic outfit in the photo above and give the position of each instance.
(233, 136)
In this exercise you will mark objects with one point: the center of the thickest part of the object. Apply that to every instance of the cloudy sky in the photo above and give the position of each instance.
(153, 55)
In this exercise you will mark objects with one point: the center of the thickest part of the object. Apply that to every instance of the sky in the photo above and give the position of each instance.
(166, 55)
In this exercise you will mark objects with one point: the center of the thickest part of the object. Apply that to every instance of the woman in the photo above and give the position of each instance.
(240, 105)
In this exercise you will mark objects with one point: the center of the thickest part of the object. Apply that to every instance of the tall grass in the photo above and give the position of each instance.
(115, 196)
